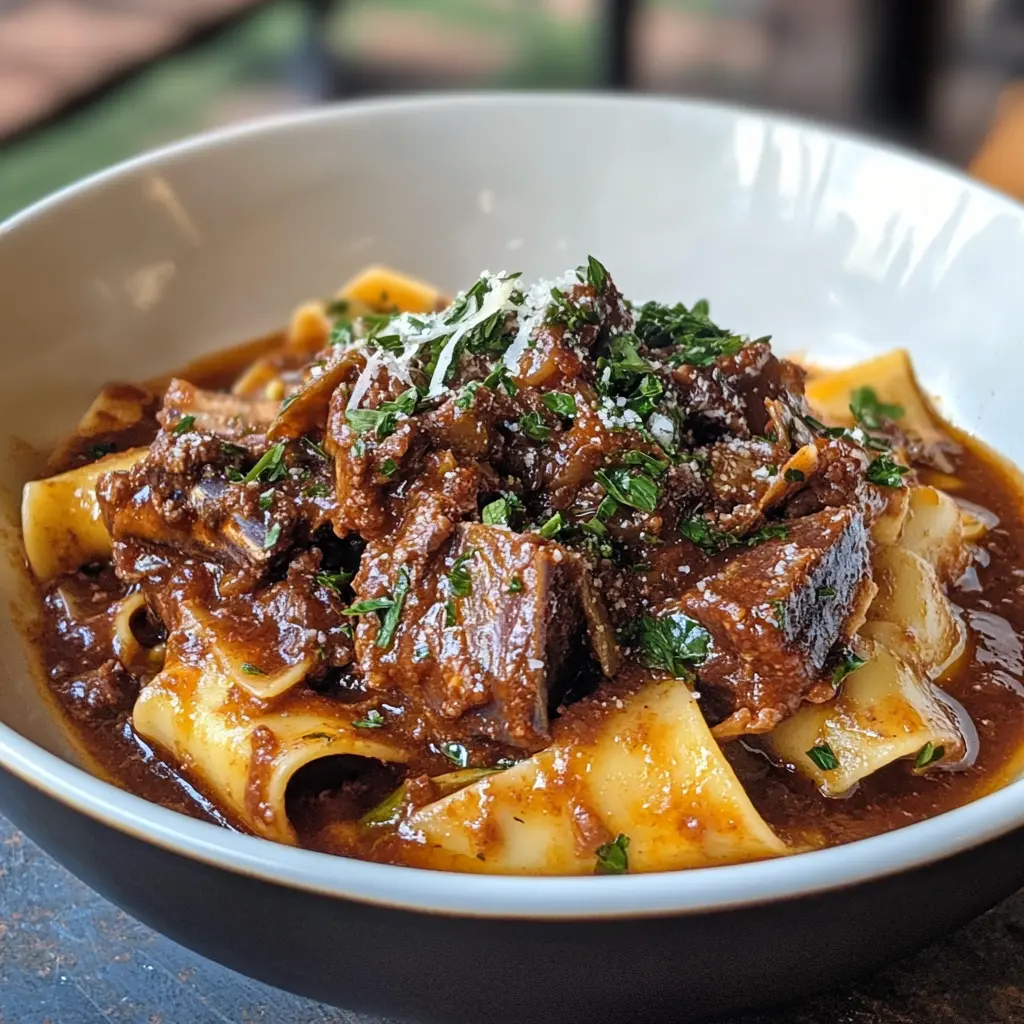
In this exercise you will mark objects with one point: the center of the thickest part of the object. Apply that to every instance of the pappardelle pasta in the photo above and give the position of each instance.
(535, 581)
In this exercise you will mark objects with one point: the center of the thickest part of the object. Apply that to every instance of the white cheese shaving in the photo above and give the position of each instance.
(499, 289)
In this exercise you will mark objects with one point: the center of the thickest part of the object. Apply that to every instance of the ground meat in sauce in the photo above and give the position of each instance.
(504, 536)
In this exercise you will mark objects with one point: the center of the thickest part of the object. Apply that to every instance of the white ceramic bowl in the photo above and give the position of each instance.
(834, 245)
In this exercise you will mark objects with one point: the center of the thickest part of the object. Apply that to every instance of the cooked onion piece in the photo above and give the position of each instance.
(884, 711)
(649, 770)
(60, 516)
(244, 752)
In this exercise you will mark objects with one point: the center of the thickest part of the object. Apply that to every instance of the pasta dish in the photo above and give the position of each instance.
(534, 581)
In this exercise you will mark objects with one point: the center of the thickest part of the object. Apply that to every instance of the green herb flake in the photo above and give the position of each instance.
(373, 720)
(269, 468)
(271, 537)
(266, 499)
(456, 753)
(393, 615)
(636, 490)
(886, 473)
(690, 333)
(375, 604)
(533, 427)
(184, 425)
(552, 527)
(776, 531)
(317, 490)
(560, 402)
(502, 511)
(824, 757)
(869, 411)
(613, 858)
(825, 593)
(388, 811)
(334, 580)
(646, 462)
(388, 468)
(451, 617)
(779, 611)
(794, 476)
(707, 537)
(596, 275)
(927, 755)
(460, 582)
(848, 662)
(467, 396)
(674, 643)
(97, 451)
(252, 670)
(316, 449)
(515, 585)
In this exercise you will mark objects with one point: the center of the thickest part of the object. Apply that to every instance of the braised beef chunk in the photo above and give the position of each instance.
(213, 412)
(484, 637)
(774, 613)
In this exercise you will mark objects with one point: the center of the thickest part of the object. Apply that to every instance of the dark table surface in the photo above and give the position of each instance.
(69, 957)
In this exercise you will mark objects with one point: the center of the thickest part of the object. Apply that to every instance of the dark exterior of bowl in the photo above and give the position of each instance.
(461, 970)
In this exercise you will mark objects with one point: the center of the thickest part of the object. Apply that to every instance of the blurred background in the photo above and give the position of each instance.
(84, 83)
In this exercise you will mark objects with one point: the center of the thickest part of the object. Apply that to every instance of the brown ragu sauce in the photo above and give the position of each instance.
(723, 407)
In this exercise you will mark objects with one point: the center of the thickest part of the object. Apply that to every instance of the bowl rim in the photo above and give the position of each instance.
(684, 892)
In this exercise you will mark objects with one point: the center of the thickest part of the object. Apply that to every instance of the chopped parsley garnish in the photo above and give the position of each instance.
(97, 451)
(672, 642)
(534, 427)
(638, 491)
(316, 490)
(183, 425)
(341, 334)
(271, 537)
(886, 473)
(266, 499)
(380, 422)
(927, 755)
(696, 340)
(613, 858)
(390, 606)
(708, 538)
(460, 582)
(826, 593)
(502, 511)
(560, 402)
(552, 527)
(334, 580)
(824, 757)
(776, 531)
(467, 396)
(794, 476)
(779, 611)
(373, 720)
(571, 315)
(869, 411)
(500, 377)
(451, 617)
(593, 273)
(646, 462)
(393, 615)
(316, 448)
(336, 307)
(269, 468)
(456, 753)
(252, 670)
(384, 420)
(849, 662)
(388, 468)
(515, 585)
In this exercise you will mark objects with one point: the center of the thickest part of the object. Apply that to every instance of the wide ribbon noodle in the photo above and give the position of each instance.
(637, 761)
